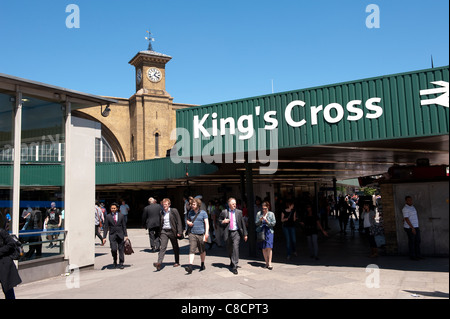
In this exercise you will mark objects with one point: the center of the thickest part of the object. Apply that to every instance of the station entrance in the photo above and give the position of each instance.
(304, 145)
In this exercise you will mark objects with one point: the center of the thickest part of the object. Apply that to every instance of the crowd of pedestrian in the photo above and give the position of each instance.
(225, 223)
(220, 223)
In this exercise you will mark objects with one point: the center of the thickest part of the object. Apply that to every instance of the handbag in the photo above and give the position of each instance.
(128, 249)
(260, 236)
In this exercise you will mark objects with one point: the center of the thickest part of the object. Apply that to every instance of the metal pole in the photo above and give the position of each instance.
(250, 209)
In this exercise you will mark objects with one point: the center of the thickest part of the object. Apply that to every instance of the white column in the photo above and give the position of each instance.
(16, 159)
(67, 175)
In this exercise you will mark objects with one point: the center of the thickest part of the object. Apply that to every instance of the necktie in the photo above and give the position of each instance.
(115, 218)
(231, 220)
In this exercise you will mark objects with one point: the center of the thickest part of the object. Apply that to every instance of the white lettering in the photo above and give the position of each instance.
(332, 113)
(214, 124)
(351, 108)
(314, 111)
(193, 309)
(273, 121)
(224, 122)
(247, 130)
(199, 126)
(288, 114)
(327, 113)
(372, 107)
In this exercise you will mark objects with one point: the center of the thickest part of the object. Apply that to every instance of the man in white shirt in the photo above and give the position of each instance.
(170, 229)
(411, 226)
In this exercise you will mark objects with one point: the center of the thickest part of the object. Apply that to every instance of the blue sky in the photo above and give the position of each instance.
(222, 50)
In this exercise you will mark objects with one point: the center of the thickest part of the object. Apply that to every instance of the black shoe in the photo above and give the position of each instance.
(234, 271)
(121, 266)
(202, 267)
(114, 265)
(188, 269)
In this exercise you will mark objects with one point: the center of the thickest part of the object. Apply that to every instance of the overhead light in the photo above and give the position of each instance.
(106, 111)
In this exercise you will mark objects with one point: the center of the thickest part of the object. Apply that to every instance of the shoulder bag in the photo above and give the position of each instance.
(188, 231)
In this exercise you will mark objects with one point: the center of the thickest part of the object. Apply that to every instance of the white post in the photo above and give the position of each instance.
(16, 159)
(67, 163)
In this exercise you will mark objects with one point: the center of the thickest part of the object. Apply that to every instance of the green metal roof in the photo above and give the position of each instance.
(108, 173)
(147, 171)
(380, 108)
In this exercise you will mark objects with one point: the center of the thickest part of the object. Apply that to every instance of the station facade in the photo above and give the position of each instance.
(388, 129)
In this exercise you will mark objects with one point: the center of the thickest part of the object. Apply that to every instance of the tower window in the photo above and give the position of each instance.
(156, 144)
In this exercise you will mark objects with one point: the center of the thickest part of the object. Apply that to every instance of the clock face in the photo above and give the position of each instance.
(154, 75)
(139, 76)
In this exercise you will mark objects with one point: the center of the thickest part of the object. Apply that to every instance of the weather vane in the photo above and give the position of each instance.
(150, 40)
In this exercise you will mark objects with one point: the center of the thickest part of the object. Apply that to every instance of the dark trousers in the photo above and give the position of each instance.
(370, 238)
(34, 248)
(413, 242)
(165, 236)
(233, 247)
(117, 244)
(154, 235)
(9, 294)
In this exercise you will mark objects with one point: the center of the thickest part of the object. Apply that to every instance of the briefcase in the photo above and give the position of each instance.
(128, 249)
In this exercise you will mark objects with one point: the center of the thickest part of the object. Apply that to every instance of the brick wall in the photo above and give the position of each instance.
(388, 212)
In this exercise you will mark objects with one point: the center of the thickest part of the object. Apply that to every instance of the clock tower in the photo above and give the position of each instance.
(152, 115)
(139, 127)
(150, 69)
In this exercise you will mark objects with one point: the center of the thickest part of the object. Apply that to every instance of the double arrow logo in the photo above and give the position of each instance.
(441, 99)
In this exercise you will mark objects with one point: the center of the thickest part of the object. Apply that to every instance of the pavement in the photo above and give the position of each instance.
(344, 271)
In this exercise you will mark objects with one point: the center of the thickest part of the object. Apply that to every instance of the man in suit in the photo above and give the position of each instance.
(232, 221)
(151, 221)
(115, 225)
(170, 229)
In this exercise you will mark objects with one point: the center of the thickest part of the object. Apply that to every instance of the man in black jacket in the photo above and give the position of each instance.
(115, 224)
(170, 229)
(151, 221)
